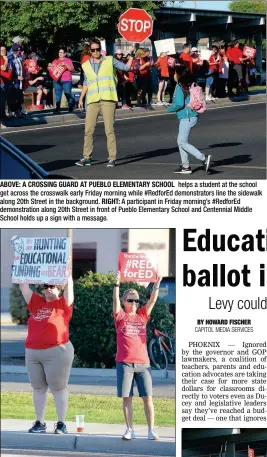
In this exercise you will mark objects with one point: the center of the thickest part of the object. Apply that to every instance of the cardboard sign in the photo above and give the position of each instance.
(205, 54)
(249, 52)
(137, 267)
(32, 66)
(103, 47)
(56, 69)
(165, 46)
(40, 260)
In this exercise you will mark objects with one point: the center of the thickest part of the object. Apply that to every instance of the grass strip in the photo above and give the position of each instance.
(97, 408)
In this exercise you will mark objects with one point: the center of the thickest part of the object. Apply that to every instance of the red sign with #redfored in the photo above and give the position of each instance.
(137, 267)
(249, 52)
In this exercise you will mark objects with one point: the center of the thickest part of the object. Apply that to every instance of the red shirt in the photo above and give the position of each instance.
(234, 54)
(162, 63)
(186, 59)
(131, 336)
(85, 58)
(48, 324)
(214, 65)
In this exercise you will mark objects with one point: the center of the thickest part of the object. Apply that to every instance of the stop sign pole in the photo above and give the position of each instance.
(135, 25)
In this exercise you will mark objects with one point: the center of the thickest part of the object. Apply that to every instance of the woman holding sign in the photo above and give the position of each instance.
(49, 353)
(132, 361)
(63, 67)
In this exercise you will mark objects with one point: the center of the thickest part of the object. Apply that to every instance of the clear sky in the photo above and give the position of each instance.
(207, 5)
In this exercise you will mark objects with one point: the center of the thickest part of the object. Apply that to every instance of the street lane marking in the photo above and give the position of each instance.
(124, 119)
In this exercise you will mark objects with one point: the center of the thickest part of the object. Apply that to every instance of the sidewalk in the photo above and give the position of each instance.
(47, 116)
(96, 437)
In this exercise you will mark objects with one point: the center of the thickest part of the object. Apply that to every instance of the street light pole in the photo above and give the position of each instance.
(195, 3)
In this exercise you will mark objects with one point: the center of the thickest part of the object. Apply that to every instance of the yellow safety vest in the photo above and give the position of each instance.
(101, 86)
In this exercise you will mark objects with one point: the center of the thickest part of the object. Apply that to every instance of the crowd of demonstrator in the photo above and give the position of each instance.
(22, 71)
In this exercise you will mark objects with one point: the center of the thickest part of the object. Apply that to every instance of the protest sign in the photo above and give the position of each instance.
(249, 52)
(6, 75)
(40, 260)
(32, 66)
(56, 69)
(205, 54)
(103, 47)
(165, 46)
(137, 267)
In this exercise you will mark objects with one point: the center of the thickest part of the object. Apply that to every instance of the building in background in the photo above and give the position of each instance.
(95, 250)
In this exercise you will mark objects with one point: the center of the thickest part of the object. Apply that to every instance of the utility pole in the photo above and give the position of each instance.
(195, 3)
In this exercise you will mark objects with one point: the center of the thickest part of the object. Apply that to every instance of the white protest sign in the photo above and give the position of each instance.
(103, 47)
(165, 46)
(205, 54)
(40, 260)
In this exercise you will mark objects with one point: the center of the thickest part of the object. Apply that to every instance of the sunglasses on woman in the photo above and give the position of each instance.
(95, 50)
(49, 286)
(133, 300)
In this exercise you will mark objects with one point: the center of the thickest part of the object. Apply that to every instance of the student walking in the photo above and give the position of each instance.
(100, 88)
(49, 353)
(188, 118)
(132, 362)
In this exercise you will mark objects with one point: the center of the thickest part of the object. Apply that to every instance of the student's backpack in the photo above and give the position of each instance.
(197, 100)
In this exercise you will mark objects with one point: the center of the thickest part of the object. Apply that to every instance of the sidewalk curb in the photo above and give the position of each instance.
(50, 118)
(89, 372)
(97, 443)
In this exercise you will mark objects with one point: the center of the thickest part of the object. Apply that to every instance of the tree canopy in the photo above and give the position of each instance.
(45, 23)
(251, 6)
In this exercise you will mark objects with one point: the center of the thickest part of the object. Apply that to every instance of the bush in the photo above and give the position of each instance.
(92, 330)
(17, 305)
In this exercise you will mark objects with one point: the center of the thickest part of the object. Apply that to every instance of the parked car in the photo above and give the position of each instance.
(76, 73)
(14, 164)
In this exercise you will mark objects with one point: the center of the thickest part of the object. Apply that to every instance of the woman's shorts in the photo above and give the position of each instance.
(127, 373)
(163, 78)
(31, 89)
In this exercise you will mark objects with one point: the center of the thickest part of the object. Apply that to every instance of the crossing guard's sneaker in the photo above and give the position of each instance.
(85, 162)
(60, 428)
(38, 427)
(111, 164)
(129, 434)
(152, 435)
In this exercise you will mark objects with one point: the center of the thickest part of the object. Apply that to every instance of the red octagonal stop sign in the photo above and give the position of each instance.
(135, 25)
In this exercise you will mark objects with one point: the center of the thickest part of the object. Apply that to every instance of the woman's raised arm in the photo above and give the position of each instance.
(116, 294)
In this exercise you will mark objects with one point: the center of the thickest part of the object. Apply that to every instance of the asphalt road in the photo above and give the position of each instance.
(235, 136)
(13, 382)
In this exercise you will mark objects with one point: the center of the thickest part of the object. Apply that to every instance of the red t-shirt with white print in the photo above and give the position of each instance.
(48, 324)
(131, 336)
